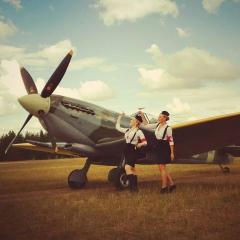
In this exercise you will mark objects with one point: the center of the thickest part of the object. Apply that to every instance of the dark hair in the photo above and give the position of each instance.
(166, 114)
(139, 118)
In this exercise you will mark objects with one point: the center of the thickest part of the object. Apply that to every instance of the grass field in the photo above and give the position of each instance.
(36, 203)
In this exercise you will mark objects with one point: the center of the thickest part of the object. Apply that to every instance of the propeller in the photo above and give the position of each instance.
(25, 123)
(28, 81)
(57, 76)
(29, 103)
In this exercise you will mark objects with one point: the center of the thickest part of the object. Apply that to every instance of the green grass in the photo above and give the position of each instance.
(36, 203)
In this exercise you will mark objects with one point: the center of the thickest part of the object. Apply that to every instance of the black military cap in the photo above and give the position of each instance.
(139, 117)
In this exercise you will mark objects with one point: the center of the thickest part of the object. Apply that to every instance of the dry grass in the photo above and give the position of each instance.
(36, 203)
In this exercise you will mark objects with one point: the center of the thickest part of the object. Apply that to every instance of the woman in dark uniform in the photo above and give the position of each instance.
(135, 139)
(163, 150)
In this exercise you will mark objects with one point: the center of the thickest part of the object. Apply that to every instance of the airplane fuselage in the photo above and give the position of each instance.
(77, 121)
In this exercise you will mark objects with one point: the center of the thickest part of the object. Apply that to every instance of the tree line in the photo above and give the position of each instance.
(23, 154)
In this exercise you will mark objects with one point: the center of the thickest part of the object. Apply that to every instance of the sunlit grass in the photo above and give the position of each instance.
(36, 203)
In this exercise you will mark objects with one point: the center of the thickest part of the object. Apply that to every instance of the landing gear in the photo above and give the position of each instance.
(78, 177)
(225, 170)
(118, 177)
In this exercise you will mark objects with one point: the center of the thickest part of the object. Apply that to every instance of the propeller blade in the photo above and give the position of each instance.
(52, 138)
(56, 76)
(28, 81)
(25, 123)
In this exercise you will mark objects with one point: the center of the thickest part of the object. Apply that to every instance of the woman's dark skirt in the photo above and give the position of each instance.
(161, 152)
(130, 154)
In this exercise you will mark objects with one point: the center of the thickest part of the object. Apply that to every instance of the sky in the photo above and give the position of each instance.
(181, 56)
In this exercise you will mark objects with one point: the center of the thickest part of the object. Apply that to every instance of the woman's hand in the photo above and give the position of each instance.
(172, 156)
(121, 115)
(139, 145)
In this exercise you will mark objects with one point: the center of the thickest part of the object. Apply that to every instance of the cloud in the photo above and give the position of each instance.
(158, 78)
(15, 3)
(51, 56)
(177, 106)
(212, 5)
(7, 106)
(10, 87)
(92, 62)
(7, 29)
(89, 90)
(8, 51)
(10, 78)
(183, 33)
(188, 68)
(48, 55)
(112, 11)
(95, 90)
(52, 8)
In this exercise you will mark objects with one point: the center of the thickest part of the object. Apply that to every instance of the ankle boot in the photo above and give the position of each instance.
(131, 181)
(135, 184)
(172, 188)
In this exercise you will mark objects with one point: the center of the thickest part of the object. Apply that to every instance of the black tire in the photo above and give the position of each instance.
(111, 175)
(77, 179)
(118, 177)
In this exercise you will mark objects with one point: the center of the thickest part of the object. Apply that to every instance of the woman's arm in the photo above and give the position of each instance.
(145, 123)
(172, 152)
(118, 127)
(151, 125)
(142, 140)
(171, 142)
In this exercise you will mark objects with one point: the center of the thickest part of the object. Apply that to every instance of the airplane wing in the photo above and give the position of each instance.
(67, 149)
(33, 147)
(203, 135)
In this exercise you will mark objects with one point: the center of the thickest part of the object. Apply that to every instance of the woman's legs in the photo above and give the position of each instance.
(163, 171)
(169, 179)
(166, 177)
(166, 180)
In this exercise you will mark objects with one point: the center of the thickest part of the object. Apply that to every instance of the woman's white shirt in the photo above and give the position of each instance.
(129, 133)
(159, 131)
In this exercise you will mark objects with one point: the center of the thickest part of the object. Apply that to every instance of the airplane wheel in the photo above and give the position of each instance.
(111, 175)
(118, 177)
(77, 179)
(226, 170)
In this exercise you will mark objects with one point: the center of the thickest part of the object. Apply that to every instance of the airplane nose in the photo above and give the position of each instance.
(34, 104)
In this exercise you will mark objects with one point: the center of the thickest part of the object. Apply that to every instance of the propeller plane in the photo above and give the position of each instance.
(82, 129)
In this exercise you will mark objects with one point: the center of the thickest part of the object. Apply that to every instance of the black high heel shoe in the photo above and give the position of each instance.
(172, 188)
(164, 190)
